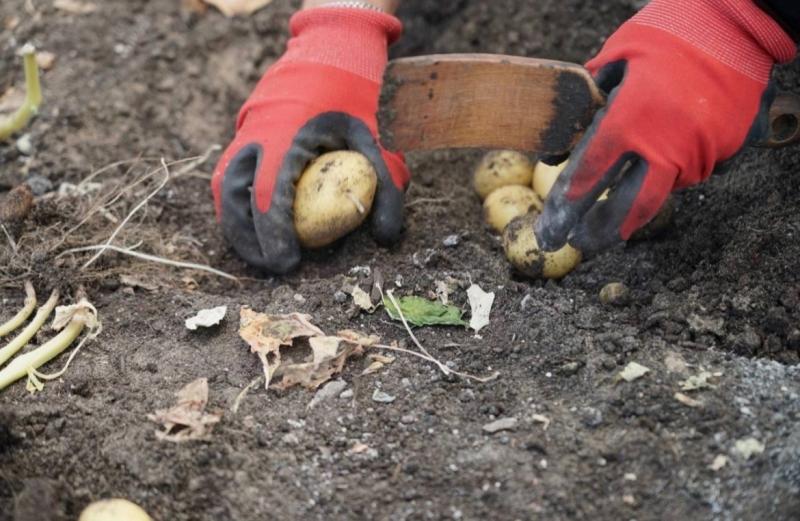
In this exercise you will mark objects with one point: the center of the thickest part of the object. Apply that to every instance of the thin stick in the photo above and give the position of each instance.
(485, 379)
(130, 215)
(152, 258)
(194, 162)
(10, 239)
(239, 397)
(23, 314)
(425, 355)
(425, 200)
(111, 166)
(408, 328)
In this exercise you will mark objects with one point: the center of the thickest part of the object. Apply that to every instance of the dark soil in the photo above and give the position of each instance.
(719, 289)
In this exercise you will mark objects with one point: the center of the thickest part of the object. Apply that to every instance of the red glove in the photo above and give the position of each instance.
(322, 95)
(688, 84)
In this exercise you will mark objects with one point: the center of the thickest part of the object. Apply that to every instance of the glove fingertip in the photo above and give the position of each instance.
(387, 215)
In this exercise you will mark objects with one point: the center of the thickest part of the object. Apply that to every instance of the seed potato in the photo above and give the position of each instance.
(523, 251)
(544, 177)
(502, 168)
(508, 202)
(114, 510)
(333, 197)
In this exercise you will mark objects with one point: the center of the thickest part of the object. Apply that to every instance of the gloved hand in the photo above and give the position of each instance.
(688, 88)
(322, 95)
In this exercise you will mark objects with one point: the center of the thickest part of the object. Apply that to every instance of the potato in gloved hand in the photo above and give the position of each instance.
(333, 197)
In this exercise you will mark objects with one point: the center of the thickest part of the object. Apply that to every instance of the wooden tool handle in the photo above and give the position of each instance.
(486, 101)
(508, 102)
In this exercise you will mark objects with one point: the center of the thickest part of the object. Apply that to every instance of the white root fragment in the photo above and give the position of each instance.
(357, 203)
(33, 327)
(23, 314)
(71, 320)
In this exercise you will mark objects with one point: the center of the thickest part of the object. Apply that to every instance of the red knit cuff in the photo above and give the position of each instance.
(355, 40)
(735, 32)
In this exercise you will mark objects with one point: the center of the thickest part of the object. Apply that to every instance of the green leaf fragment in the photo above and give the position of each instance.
(420, 311)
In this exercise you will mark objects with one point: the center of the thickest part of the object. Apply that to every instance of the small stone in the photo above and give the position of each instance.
(615, 294)
(340, 297)
(25, 145)
(346, 394)
(451, 241)
(592, 417)
(748, 447)
(327, 392)
(405, 382)
(503, 424)
(40, 185)
(526, 302)
(408, 418)
(300, 299)
(702, 325)
(570, 368)
(467, 395)
(382, 397)
(363, 271)
(290, 439)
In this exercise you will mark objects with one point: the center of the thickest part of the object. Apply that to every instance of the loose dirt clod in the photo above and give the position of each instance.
(16, 205)
(748, 447)
(633, 371)
(503, 424)
(698, 381)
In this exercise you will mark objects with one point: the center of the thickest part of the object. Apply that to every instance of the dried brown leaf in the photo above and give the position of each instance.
(267, 333)
(378, 363)
(187, 419)
(328, 359)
